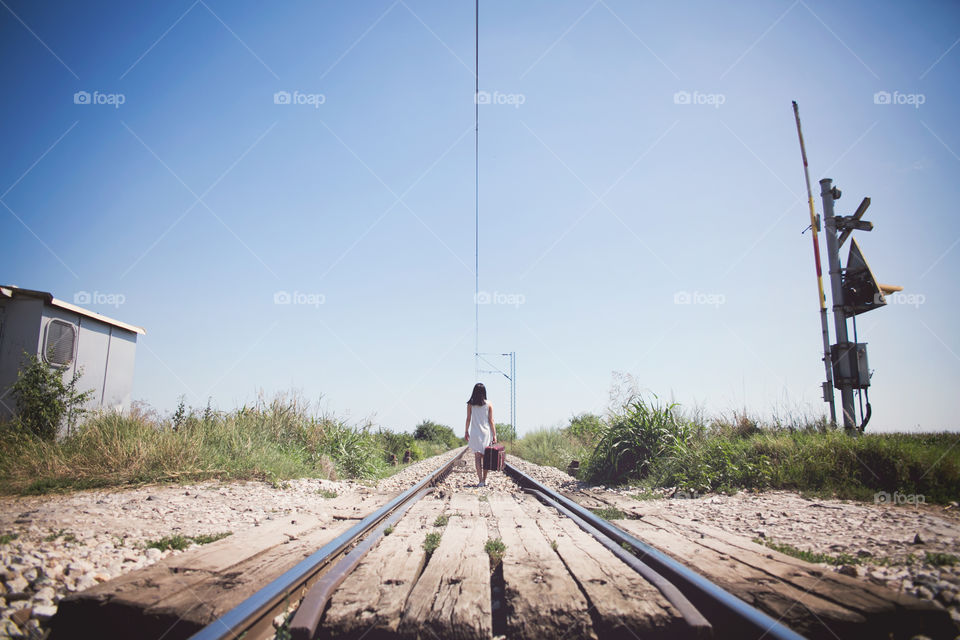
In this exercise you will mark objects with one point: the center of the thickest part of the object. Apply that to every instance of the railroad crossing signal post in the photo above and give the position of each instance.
(854, 290)
(841, 364)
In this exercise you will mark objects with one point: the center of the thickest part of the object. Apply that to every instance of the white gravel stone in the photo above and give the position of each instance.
(44, 612)
(46, 593)
(9, 630)
(18, 584)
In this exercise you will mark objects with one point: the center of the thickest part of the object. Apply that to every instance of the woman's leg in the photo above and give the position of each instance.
(484, 479)
(478, 459)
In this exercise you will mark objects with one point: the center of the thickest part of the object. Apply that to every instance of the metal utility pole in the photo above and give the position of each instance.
(513, 390)
(512, 377)
(829, 193)
(824, 323)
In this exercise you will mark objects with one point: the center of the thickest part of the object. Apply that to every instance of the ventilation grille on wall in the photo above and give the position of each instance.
(61, 338)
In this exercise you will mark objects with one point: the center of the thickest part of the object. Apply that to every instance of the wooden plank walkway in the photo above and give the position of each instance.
(543, 600)
(179, 595)
(574, 588)
(371, 600)
(816, 602)
(555, 580)
(623, 604)
(452, 597)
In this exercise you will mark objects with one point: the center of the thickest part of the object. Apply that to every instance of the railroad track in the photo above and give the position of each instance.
(566, 572)
(702, 606)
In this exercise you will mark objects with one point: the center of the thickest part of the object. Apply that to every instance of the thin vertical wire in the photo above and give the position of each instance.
(476, 161)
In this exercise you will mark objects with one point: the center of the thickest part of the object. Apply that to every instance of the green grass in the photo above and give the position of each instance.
(67, 536)
(388, 530)
(549, 447)
(810, 556)
(495, 548)
(326, 493)
(180, 542)
(441, 520)
(430, 542)
(609, 513)
(941, 559)
(7, 538)
(937, 559)
(648, 444)
(273, 441)
(208, 538)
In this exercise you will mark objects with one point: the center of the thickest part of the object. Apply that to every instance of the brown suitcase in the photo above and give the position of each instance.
(493, 457)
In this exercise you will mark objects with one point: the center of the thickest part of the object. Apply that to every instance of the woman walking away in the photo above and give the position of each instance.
(481, 431)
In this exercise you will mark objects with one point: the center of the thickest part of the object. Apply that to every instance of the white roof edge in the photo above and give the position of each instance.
(96, 316)
(8, 291)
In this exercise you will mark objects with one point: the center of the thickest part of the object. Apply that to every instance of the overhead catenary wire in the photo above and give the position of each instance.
(476, 196)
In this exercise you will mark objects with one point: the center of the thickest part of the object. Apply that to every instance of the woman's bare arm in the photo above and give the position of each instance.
(493, 425)
(466, 428)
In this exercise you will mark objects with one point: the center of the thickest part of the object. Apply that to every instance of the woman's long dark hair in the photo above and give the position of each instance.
(479, 395)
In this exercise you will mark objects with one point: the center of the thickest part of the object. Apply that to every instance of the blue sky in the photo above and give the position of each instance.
(204, 197)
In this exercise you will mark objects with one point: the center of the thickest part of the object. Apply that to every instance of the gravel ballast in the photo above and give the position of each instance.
(55, 545)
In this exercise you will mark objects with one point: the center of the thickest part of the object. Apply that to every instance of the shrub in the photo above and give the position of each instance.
(550, 447)
(433, 432)
(652, 445)
(634, 438)
(506, 432)
(396, 444)
(586, 427)
(271, 441)
(44, 401)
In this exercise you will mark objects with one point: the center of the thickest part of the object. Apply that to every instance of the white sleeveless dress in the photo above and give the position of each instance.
(480, 436)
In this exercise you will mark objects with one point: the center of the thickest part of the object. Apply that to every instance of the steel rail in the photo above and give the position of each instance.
(255, 609)
(730, 616)
(699, 625)
(303, 625)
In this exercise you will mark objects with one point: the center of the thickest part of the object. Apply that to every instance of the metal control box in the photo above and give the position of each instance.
(857, 373)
